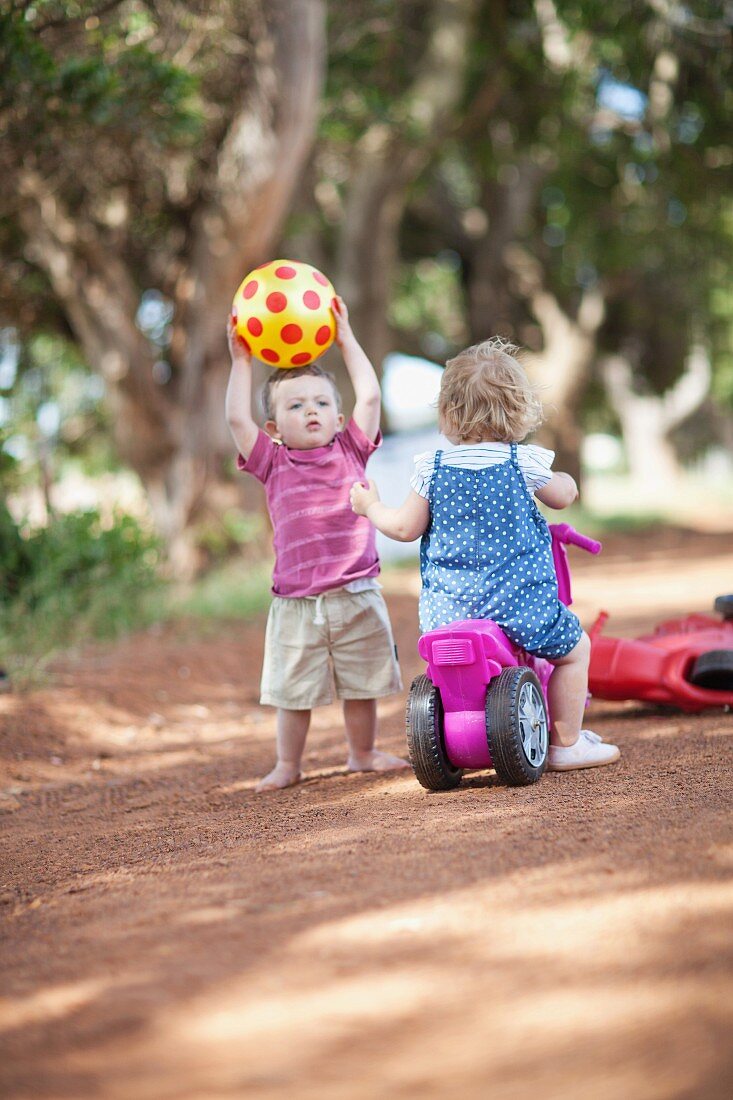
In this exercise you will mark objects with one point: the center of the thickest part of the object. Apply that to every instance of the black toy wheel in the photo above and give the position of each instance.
(425, 740)
(724, 607)
(517, 726)
(713, 670)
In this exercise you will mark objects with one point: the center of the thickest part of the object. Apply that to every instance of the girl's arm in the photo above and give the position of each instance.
(404, 524)
(559, 492)
(238, 404)
(361, 372)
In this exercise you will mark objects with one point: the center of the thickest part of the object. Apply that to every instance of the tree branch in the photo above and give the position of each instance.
(70, 20)
(690, 389)
(680, 19)
(389, 155)
(100, 302)
(257, 168)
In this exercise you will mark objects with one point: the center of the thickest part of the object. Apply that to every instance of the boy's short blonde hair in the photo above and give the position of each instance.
(485, 394)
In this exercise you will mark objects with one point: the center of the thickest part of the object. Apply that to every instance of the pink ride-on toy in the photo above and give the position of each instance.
(483, 701)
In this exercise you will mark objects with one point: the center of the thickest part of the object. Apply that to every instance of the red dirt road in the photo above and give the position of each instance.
(169, 935)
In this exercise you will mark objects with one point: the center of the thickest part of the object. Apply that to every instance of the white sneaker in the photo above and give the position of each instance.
(589, 751)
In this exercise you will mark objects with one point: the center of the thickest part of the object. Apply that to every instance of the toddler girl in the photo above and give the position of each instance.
(486, 551)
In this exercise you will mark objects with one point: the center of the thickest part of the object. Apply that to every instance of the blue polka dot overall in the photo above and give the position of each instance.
(487, 554)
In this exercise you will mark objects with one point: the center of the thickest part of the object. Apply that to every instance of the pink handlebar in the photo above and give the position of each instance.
(563, 532)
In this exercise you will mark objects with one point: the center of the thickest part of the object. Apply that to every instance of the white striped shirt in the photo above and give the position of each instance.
(534, 462)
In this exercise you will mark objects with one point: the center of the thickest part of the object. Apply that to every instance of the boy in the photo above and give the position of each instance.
(326, 599)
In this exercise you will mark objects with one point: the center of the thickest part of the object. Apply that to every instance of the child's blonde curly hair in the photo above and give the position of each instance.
(486, 395)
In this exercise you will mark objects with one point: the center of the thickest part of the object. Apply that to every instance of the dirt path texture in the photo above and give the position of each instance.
(167, 934)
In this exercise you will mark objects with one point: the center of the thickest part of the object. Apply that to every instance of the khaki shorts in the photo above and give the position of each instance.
(352, 650)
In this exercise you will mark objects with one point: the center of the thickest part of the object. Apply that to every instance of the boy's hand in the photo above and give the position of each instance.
(238, 349)
(362, 496)
(341, 315)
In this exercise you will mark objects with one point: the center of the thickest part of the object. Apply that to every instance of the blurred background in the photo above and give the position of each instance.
(557, 172)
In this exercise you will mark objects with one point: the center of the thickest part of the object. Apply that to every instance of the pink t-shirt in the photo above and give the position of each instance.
(319, 542)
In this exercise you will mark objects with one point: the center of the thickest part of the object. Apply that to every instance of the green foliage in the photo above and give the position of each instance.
(15, 558)
(93, 100)
(9, 473)
(121, 109)
(78, 578)
(626, 136)
(221, 537)
(51, 401)
(108, 80)
(232, 590)
(426, 305)
(374, 50)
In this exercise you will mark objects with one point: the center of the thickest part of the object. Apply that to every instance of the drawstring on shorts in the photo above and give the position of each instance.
(318, 619)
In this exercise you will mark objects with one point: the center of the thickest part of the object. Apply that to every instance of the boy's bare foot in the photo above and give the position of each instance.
(282, 775)
(375, 761)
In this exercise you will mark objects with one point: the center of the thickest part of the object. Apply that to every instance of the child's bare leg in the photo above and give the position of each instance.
(292, 730)
(567, 692)
(360, 719)
(571, 747)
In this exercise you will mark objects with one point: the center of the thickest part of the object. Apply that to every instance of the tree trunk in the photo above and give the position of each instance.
(507, 207)
(100, 301)
(647, 420)
(562, 369)
(174, 437)
(389, 156)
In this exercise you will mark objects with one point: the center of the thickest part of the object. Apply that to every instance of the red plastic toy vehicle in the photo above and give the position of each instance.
(685, 663)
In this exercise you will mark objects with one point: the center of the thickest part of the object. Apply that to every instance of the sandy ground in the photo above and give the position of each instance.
(169, 934)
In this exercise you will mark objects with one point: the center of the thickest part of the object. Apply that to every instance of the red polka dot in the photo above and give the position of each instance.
(320, 278)
(249, 349)
(254, 325)
(269, 355)
(261, 266)
(285, 272)
(291, 334)
(311, 299)
(251, 289)
(301, 359)
(234, 316)
(323, 335)
(276, 302)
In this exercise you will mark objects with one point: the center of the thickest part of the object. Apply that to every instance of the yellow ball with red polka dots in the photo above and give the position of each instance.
(282, 310)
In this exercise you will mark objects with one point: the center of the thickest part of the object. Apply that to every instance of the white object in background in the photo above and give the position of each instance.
(409, 391)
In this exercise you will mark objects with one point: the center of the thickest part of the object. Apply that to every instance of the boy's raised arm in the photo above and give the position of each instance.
(361, 372)
(238, 404)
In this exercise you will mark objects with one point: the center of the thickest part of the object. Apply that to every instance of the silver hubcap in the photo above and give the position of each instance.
(533, 724)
